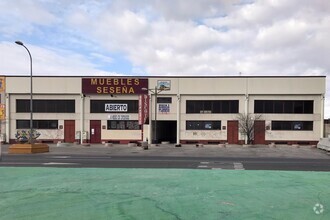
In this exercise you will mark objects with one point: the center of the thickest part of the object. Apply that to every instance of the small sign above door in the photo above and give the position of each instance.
(118, 117)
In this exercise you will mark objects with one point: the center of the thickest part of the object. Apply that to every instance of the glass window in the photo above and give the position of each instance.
(211, 106)
(22, 124)
(298, 107)
(292, 125)
(207, 106)
(308, 107)
(233, 106)
(46, 106)
(203, 125)
(225, 107)
(190, 107)
(216, 107)
(37, 124)
(268, 106)
(258, 106)
(288, 107)
(278, 107)
(284, 106)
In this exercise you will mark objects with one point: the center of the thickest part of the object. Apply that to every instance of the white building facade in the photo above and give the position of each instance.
(188, 109)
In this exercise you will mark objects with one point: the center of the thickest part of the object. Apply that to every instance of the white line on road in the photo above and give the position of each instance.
(18, 163)
(60, 157)
(202, 166)
(55, 163)
(238, 166)
(205, 162)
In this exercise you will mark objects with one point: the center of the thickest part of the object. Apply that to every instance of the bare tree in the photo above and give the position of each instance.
(246, 125)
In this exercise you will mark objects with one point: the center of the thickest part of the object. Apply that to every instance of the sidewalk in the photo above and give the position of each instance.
(237, 151)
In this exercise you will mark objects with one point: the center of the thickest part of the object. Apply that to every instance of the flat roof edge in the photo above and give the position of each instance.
(66, 76)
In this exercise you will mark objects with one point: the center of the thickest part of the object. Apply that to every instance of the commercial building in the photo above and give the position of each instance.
(188, 109)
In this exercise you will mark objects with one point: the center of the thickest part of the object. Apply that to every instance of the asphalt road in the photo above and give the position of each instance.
(101, 161)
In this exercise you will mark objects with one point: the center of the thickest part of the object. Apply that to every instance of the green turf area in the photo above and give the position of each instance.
(74, 193)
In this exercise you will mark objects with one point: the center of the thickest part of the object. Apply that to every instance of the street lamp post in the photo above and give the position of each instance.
(31, 98)
(154, 91)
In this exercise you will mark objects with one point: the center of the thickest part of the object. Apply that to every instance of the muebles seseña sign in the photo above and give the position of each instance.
(114, 86)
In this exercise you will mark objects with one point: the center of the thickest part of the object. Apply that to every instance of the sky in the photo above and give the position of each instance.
(167, 38)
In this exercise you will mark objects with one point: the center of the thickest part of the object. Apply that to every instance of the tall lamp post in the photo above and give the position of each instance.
(154, 91)
(30, 147)
(31, 98)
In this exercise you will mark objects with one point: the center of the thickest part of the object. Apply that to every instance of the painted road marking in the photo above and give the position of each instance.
(215, 165)
(18, 163)
(60, 157)
(55, 163)
(238, 166)
(203, 166)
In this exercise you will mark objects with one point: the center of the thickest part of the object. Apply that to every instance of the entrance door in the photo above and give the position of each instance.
(95, 131)
(166, 131)
(69, 131)
(232, 132)
(259, 132)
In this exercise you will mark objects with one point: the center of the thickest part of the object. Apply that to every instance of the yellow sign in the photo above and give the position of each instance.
(2, 111)
(2, 84)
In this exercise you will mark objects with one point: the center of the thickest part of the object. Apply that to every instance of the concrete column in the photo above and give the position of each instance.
(246, 112)
(82, 118)
(150, 121)
(246, 104)
(178, 119)
(7, 121)
(322, 116)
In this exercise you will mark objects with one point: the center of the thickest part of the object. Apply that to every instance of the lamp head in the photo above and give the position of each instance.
(19, 43)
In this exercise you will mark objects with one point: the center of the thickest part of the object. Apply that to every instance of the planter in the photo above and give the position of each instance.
(28, 148)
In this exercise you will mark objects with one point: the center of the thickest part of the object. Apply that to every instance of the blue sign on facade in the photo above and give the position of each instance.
(164, 108)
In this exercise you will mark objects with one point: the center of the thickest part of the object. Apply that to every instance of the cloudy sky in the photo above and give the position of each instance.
(167, 37)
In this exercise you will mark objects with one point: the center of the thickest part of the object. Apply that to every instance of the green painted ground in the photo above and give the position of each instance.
(64, 193)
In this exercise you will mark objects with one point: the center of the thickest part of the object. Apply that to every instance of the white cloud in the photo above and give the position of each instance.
(102, 58)
(14, 60)
(21, 17)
